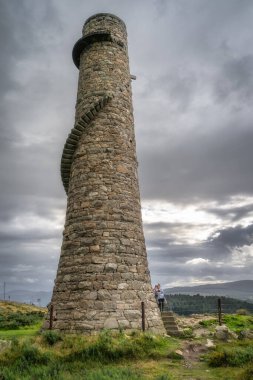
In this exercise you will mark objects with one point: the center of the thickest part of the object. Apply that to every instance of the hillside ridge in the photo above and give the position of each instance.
(242, 290)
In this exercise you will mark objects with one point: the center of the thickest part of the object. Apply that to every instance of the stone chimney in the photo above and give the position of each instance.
(103, 273)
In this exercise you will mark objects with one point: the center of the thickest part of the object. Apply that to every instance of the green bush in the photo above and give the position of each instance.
(16, 320)
(233, 357)
(186, 333)
(32, 355)
(217, 359)
(51, 337)
(242, 312)
(208, 322)
(238, 322)
(24, 354)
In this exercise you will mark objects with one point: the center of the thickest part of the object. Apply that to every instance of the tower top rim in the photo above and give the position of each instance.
(105, 14)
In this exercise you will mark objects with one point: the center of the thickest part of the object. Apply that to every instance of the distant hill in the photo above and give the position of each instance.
(39, 298)
(242, 290)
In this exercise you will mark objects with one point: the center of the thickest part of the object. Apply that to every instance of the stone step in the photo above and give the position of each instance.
(171, 327)
(73, 138)
(170, 323)
(168, 317)
(171, 331)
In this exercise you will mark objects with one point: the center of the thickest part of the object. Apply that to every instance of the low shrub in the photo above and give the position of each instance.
(208, 322)
(233, 357)
(51, 337)
(14, 321)
(242, 312)
(24, 354)
(238, 322)
(187, 333)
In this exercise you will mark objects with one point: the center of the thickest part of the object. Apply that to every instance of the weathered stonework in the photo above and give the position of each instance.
(103, 271)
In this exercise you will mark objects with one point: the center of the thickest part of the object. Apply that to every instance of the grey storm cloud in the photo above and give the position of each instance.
(170, 261)
(233, 237)
(207, 166)
(232, 213)
(236, 80)
(176, 264)
(193, 123)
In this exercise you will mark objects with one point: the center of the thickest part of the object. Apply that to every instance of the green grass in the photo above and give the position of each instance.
(238, 322)
(208, 323)
(247, 373)
(20, 320)
(107, 347)
(106, 356)
(234, 322)
(121, 356)
(236, 354)
(21, 332)
(16, 320)
(117, 356)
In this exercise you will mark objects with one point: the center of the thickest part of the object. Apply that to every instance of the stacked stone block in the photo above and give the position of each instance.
(103, 271)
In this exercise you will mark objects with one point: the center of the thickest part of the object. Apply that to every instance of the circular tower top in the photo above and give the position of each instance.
(106, 22)
(98, 28)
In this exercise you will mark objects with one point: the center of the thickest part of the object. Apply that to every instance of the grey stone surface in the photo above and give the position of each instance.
(103, 274)
(111, 323)
(223, 333)
(246, 334)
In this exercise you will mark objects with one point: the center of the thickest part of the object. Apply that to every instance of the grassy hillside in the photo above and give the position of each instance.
(18, 319)
(7, 307)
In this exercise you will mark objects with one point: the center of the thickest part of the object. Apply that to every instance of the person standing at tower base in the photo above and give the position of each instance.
(160, 297)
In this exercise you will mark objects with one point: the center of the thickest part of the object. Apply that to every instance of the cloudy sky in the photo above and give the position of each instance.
(193, 120)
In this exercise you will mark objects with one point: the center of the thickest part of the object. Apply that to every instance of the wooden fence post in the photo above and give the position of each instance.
(143, 315)
(219, 310)
(51, 317)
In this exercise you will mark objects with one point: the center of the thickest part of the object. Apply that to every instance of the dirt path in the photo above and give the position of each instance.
(192, 352)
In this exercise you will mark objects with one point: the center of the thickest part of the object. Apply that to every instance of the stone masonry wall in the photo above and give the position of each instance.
(103, 271)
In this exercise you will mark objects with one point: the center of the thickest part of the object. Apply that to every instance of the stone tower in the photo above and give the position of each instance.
(103, 272)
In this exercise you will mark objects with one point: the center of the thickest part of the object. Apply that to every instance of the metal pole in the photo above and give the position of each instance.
(51, 317)
(4, 291)
(143, 315)
(219, 310)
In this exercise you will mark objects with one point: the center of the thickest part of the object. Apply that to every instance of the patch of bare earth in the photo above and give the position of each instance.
(192, 352)
(192, 320)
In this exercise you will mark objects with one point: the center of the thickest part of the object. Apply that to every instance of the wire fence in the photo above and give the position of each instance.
(188, 305)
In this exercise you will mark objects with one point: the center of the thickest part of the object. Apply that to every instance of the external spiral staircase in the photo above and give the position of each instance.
(73, 138)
